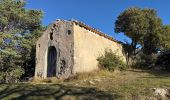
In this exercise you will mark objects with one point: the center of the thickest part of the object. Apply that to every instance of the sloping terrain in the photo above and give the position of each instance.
(103, 85)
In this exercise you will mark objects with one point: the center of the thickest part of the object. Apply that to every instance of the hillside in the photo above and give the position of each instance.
(103, 85)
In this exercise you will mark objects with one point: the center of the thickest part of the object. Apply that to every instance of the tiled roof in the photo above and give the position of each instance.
(94, 30)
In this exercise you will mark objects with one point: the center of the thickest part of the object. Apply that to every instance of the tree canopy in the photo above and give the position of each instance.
(19, 29)
(144, 28)
(146, 31)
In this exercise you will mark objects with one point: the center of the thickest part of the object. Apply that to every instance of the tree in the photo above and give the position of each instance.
(132, 23)
(163, 59)
(19, 29)
(143, 27)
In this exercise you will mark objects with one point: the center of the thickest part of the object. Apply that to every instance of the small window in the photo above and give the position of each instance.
(51, 36)
(39, 45)
(69, 32)
(54, 25)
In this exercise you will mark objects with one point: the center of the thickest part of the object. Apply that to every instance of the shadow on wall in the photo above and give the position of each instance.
(51, 92)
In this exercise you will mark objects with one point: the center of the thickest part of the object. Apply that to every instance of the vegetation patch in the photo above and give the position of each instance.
(111, 61)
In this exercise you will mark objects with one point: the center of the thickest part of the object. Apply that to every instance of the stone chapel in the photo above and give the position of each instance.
(70, 47)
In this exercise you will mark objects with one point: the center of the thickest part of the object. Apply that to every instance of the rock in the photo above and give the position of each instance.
(160, 92)
(91, 82)
(62, 91)
(30, 79)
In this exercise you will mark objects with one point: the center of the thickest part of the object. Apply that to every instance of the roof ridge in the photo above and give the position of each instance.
(94, 30)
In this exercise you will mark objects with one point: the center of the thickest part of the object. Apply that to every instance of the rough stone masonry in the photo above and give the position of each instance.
(70, 47)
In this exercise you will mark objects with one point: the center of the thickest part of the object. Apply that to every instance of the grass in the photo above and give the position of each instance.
(126, 85)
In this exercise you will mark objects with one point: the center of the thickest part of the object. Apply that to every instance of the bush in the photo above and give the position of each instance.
(145, 61)
(163, 60)
(11, 75)
(111, 61)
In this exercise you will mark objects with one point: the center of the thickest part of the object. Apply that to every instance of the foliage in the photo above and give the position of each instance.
(19, 29)
(165, 37)
(163, 60)
(11, 75)
(111, 61)
(132, 23)
(144, 61)
(151, 40)
(145, 29)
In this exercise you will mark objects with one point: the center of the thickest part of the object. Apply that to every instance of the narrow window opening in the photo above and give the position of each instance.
(51, 36)
(39, 45)
(54, 25)
(69, 32)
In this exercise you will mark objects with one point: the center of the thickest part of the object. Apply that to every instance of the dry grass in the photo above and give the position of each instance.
(99, 85)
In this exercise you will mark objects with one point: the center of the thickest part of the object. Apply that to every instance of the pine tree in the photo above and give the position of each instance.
(19, 29)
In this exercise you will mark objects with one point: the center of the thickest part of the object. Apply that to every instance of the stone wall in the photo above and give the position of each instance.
(88, 46)
(59, 35)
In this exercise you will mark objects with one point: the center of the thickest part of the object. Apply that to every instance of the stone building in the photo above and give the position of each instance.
(69, 47)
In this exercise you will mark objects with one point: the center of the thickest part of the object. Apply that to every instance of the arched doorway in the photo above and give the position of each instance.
(51, 61)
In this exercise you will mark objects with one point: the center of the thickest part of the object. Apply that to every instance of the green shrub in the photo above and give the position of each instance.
(111, 61)
(144, 61)
(11, 75)
(163, 60)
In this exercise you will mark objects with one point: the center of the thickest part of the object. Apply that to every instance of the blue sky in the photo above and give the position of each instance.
(100, 14)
